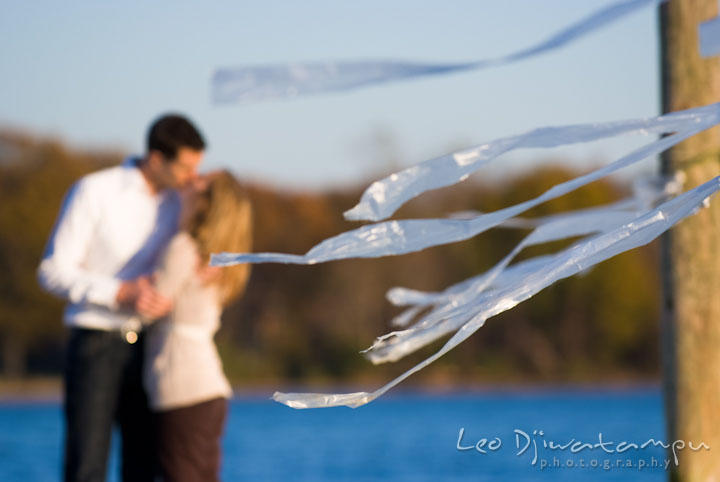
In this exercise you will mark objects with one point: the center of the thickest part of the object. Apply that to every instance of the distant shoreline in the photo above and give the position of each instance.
(49, 389)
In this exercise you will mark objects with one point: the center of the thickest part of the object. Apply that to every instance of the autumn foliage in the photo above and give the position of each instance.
(307, 323)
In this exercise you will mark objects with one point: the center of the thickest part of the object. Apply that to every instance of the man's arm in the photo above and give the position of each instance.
(61, 271)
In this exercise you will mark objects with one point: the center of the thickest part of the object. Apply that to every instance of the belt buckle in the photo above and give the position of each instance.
(130, 329)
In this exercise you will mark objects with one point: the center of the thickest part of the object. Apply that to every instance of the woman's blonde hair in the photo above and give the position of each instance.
(222, 221)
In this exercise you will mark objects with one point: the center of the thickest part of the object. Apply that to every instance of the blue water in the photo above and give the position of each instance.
(401, 437)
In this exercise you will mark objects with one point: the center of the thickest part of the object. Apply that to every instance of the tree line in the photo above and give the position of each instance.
(308, 323)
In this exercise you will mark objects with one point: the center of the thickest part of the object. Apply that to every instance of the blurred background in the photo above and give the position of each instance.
(307, 323)
(82, 81)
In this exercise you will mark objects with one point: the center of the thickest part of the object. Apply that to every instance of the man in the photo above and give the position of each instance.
(113, 225)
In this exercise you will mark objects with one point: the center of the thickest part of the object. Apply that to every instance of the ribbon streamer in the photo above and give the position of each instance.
(625, 236)
(647, 192)
(405, 236)
(395, 345)
(382, 198)
(465, 307)
(256, 83)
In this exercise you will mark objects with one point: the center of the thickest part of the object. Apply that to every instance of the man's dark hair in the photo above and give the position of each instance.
(171, 132)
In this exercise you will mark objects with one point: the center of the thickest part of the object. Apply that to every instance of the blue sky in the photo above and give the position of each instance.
(96, 73)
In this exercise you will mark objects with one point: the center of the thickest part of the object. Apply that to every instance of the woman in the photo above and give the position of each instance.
(183, 374)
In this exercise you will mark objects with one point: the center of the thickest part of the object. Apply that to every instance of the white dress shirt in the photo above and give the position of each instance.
(111, 228)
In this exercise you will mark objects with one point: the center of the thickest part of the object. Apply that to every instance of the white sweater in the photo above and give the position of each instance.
(182, 365)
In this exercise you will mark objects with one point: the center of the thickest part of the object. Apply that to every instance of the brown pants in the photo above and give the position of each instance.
(189, 441)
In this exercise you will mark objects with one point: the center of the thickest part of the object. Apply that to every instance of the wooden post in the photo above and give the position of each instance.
(691, 252)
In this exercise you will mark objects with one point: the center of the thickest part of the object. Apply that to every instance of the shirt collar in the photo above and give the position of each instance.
(135, 179)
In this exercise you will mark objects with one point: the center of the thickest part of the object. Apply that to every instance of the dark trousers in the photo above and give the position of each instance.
(189, 441)
(103, 386)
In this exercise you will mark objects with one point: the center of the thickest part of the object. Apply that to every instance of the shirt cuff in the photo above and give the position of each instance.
(104, 293)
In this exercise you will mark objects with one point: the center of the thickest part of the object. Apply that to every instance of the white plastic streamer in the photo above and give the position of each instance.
(395, 345)
(382, 198)
(647, 192)
(472, 315)
(406, 236)
(255, 83)
(464, 307)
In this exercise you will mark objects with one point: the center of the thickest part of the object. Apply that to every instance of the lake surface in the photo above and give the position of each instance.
(402, 437)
